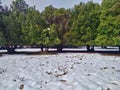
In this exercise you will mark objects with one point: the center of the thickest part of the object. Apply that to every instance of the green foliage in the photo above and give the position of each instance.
(61, 17)
(106, 4)
(57, 22)
(13, 23)
(19, 6)
(2, 40)
(33, 27)
(12, 30)
(109, 23)
(84, 27)
(48, 13)
(54, 39)
(85, 24)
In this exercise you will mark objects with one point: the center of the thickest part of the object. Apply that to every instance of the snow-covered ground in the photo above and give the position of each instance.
(65, 71)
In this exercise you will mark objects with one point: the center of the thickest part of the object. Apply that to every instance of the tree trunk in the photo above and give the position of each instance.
(92, 49)
(41, 48)
(46, 48)
(88, 48)
(119, 48)
(104, 47)
(59, 48)
(11, 49)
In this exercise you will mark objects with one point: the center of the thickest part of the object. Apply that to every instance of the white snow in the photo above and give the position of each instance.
(28, 50)
(65, 71)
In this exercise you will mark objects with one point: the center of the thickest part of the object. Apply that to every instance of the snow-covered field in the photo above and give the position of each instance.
(65, 71)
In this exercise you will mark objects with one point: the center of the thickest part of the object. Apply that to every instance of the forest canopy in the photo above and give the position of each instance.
(86, 24)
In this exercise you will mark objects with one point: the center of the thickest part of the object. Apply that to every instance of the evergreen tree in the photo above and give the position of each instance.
(33, 28)
(61, 17)
(84, 26)
(13, 24)
(57, 21)
(2, 26)
(109, 28)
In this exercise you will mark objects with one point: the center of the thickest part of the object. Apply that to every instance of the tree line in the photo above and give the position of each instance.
(86, 24)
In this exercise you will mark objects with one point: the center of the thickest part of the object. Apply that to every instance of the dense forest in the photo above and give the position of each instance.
(86, 24)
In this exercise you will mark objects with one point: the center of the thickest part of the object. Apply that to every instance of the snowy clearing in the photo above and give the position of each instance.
(65, 71)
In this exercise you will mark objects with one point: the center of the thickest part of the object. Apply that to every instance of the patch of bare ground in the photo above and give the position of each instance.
(42, 53)
(110, 54)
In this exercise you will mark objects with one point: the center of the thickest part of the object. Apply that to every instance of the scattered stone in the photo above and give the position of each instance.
(65, 71)
(21, 87)
(62, 74)
(108, 88)
(21, 78)
(71, 66)
(105, 68)
(112, 72)
(48, 72)
(63, 80)
(55, 71)
(80, 58)
(89, 74)
(114, 83)
(45, 82)
(2, 71)
(76, 62)
(31, 57)
(113, 67)
(91, 63)
(117, 70)
(41, 86)
(14, 80)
